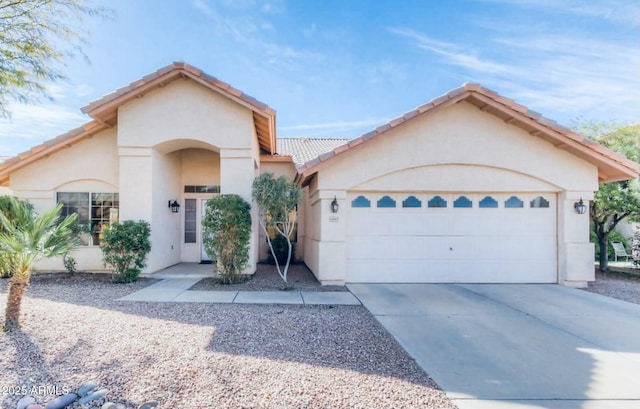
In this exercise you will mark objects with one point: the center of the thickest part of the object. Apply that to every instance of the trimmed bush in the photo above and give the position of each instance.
(125, 247)
(226, 234)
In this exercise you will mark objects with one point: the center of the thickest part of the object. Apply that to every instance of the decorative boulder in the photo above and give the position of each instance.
(61, 401)
(94, 396)
(149, 405)
(109, 405)
(86, 388)
(25, 401)
(34, 406)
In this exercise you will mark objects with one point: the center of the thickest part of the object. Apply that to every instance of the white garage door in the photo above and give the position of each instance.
(447, 238)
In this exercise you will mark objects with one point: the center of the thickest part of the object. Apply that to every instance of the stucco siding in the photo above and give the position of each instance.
(463, 136)
(185, 110)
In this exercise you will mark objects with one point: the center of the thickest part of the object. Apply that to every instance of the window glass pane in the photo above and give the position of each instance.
(539, 202)
(488, 201)
(96, 211)
(513, 201)
(190, 221)
(360, 201)
(411, 201)
(462, 201)
(386, 201)
(104, 211)
(437, 201)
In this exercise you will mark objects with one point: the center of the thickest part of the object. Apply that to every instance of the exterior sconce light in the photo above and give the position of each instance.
(580, 207)
(334, 205)
(174, 206)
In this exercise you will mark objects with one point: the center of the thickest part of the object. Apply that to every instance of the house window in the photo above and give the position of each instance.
(539, 202)
(488, 202)
(462, 201)
(512, 202)
(202, 189)
(437, 201)
(361, 201)
(411, 201)
(96, 211)
(386, 201)
(190, 224)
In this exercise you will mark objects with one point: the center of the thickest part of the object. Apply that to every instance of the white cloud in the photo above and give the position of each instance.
(453, 53)
(31, 125)
(617, 11)
(317, 129)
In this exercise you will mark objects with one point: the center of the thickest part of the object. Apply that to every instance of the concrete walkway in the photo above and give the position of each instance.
(499, 346)
(176, 290)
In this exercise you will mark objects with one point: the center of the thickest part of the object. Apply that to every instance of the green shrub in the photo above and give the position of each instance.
(281, 248)
(125, 247)
(226, 234)
(69, 264)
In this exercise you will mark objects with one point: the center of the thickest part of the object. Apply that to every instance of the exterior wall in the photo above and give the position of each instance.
(457, 149)
(286, 169)
(87, 166)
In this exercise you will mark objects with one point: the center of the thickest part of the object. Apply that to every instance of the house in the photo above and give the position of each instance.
(470, 187)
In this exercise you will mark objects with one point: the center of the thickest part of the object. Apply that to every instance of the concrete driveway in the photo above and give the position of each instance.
(515, 346)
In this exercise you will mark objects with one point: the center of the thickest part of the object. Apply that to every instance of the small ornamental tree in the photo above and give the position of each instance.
(278, 199)
(7, 259)
(226, 234)
(125, 247)
(29, 237)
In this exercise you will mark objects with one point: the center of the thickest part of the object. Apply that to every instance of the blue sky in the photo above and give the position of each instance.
(338, 68)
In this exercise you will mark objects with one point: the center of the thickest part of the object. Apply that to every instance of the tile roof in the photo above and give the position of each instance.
(611, 165)
(302, 150)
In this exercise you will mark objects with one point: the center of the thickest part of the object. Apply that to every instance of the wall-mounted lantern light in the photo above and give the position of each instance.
(174, 206)
(580, 207)
(334, 205)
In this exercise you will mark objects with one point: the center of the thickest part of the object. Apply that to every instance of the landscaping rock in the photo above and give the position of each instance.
(94, 396)
(61, 401)
(148, 405)
(121, 406)
(25, 401)
(109, 405)
(86, 388)
(35, 406)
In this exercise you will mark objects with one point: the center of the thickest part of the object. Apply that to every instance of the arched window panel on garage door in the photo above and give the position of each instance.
(361, 201)
(488, 202)
(462, 201)
(411, 201)
(437, 201)
(539, 202)
(386, 201)
(513, 202)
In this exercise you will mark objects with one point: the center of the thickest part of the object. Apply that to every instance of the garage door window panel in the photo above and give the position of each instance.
(411, 201)
(513, 202)
(386, 202)
(437, 201)
(488, 202)
(540, 202)
(462, 202)
(361, 201)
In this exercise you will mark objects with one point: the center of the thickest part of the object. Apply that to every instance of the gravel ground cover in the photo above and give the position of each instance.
(621, 285)
(266, 278)
(204, 355)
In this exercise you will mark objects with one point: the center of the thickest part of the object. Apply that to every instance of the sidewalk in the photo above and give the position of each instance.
(176, 290)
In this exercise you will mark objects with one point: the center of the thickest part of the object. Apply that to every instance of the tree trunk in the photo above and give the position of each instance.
(603, 257)
(16, 291)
